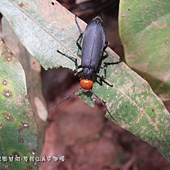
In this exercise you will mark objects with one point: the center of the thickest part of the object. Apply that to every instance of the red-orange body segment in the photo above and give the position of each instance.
(86, 84)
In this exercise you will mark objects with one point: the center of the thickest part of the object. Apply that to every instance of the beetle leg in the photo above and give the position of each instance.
(111, 63)
(99, 82)
(75, 62)
(104, 51)
(103, 79)
(104, 67)
(81, 34)
(106, 45)
(79, 39)
(70, 57)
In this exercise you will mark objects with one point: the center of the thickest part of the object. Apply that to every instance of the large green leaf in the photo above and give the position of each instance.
(36, 24)
(144, 30)
(32, 71)
(17, 123)
(43, 28)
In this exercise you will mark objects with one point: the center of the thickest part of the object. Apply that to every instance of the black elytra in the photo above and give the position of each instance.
(92, 44)
(92, 47)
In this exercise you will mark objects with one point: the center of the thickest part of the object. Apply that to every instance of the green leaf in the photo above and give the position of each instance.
(32, 71)
(17, 123)
(43, 28)
(144, 30)
(40, 32)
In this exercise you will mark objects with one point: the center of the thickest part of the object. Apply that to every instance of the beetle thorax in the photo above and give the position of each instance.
(87, 73)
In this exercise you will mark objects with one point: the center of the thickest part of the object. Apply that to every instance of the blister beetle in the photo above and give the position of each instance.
(93, 53)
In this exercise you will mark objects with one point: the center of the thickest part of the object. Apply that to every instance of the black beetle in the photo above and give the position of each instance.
(93, 45)
(93, 49)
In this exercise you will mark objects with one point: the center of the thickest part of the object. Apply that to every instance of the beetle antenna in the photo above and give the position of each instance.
(103, 104)
(66, 97)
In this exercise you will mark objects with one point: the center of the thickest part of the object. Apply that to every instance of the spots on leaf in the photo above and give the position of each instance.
(24, 125)
(7, 93)
(4, 82)
(15, 154)
(8, 117)
(9, 58)
(21, 140)
(33, 151)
